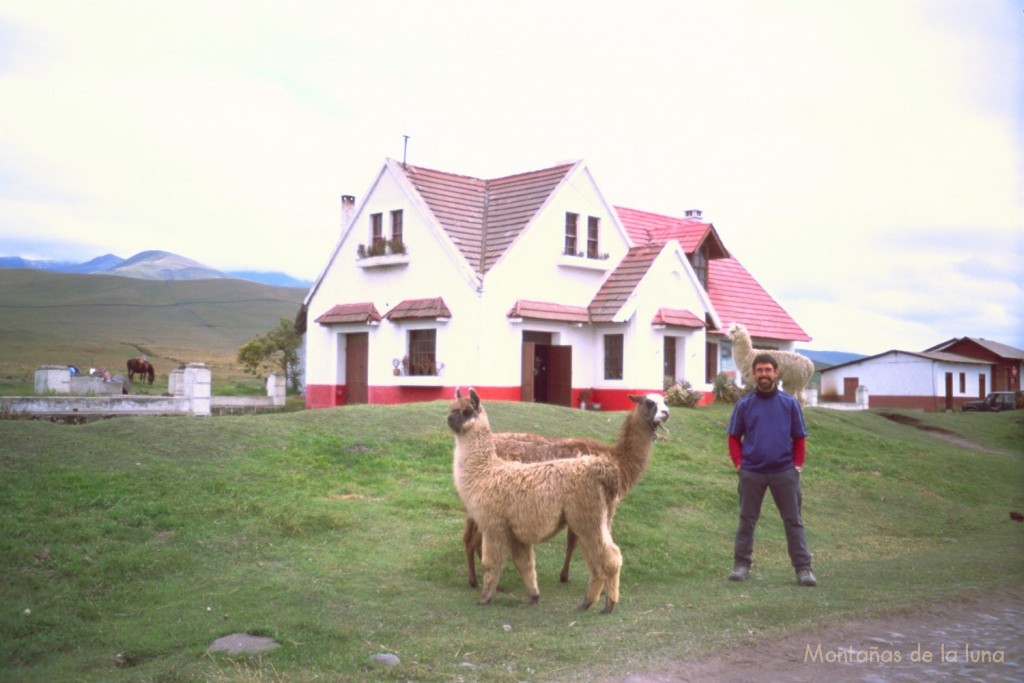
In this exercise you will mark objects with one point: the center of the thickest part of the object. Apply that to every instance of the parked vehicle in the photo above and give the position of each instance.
(995, 402)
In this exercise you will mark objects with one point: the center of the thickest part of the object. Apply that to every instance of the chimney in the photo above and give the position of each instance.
(694, 214)
(348, 209)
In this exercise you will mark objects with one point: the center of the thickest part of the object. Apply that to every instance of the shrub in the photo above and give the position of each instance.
(682, 394)
(725, 389)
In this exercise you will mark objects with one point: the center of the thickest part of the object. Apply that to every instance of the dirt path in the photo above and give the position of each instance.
(978, 640)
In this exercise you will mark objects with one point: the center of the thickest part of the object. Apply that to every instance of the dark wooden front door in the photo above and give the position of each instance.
(357, 353)
(850, 385)
(546, 374)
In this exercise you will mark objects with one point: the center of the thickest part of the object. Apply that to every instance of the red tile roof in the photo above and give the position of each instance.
(621, 282)
(364, 312)
(484, 217)
(542, 310)
(677, 317)
(644, 227)
(738, 297)
(420, 309)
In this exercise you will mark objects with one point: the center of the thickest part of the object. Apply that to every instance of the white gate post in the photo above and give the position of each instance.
(197, 388)
(276, 389)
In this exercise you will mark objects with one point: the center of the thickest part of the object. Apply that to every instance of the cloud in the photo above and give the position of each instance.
(861, 159)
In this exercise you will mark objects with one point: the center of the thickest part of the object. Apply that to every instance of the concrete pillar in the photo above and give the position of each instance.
(53, 379)
(862, 397)
(176, 382)
(276, 389)
(197, 388)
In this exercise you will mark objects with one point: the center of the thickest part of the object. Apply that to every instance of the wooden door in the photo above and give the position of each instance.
(559, 375)
(357, 353)
(527, 375)
(949, 391)
(850, 385)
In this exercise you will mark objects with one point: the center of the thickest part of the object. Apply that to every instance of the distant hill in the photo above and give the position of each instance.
(163, 265)
(51, 318)
(153, 265)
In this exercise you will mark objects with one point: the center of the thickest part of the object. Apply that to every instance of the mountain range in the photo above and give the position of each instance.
(152, 265)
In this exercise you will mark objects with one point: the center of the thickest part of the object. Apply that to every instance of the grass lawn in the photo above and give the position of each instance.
(338, 533)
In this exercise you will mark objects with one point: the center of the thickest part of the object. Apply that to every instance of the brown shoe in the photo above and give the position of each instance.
(739, 573)
(805, 577)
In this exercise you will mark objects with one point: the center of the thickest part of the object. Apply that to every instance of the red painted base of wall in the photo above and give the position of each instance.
(929, 404)
(329, 396)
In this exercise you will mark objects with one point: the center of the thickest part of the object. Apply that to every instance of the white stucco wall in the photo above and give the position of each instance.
(903, 374)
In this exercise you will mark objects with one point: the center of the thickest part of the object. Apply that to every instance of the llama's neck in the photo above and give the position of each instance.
(474, 450)
(633, 449)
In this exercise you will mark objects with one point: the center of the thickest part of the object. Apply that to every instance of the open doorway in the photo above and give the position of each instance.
(546, 370)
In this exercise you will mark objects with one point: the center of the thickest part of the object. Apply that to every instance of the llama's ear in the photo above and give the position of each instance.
(475, 398)
(636, 399)
(458, 394)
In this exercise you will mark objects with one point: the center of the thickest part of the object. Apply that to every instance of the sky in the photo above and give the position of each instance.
(863, 160)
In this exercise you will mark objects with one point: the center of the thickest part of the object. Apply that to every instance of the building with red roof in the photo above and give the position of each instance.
(529, 287)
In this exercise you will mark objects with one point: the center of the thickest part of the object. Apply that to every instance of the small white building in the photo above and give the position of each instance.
(929, 380)
(531, 287)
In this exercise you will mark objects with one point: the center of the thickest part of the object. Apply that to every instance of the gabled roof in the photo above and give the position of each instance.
(738, 297)
(341, 314)
(420, 309)
(621, 283)
(645, 227)
(484, 217)
(677, 317)
(542, 310)
(937, 356)
(995, 348)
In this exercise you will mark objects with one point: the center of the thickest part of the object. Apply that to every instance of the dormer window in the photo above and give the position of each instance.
(396, 227)
(699, 261)
(376, 230)
(593, 227)
(572, 221)
(574, 241)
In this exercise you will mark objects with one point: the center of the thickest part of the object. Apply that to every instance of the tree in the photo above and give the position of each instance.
(277, 350)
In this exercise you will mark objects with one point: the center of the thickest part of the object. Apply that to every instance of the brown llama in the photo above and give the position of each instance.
(526, 447)
(517, 505)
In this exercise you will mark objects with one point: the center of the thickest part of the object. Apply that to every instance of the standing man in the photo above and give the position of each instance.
(767, 443)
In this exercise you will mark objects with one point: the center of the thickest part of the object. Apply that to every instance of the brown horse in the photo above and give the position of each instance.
(142, 368)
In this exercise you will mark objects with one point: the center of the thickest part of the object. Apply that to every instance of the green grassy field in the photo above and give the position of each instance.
(338, 533)
(102, 321)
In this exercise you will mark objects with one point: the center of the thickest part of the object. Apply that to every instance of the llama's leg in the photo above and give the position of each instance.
(471, 543)
(495, 553)
(592, 555)
(613, 567)
(526, 562)
(570, 546)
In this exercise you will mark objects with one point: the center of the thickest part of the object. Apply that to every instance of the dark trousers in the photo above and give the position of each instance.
(785, 488)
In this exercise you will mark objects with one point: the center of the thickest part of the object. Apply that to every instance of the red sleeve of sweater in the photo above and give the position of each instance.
(799, 450)
(736, 450)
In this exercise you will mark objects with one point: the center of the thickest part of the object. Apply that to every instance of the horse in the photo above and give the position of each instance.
(141, 367)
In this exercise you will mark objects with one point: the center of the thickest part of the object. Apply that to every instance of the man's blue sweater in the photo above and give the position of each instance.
(767, 423)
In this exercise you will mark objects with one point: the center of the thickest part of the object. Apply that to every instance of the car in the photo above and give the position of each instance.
(995, 402)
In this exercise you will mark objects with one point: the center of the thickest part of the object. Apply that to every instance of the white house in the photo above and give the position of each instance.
(929, 380)
(531, 287)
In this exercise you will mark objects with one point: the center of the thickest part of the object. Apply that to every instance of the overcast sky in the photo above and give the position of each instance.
(861, 159)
